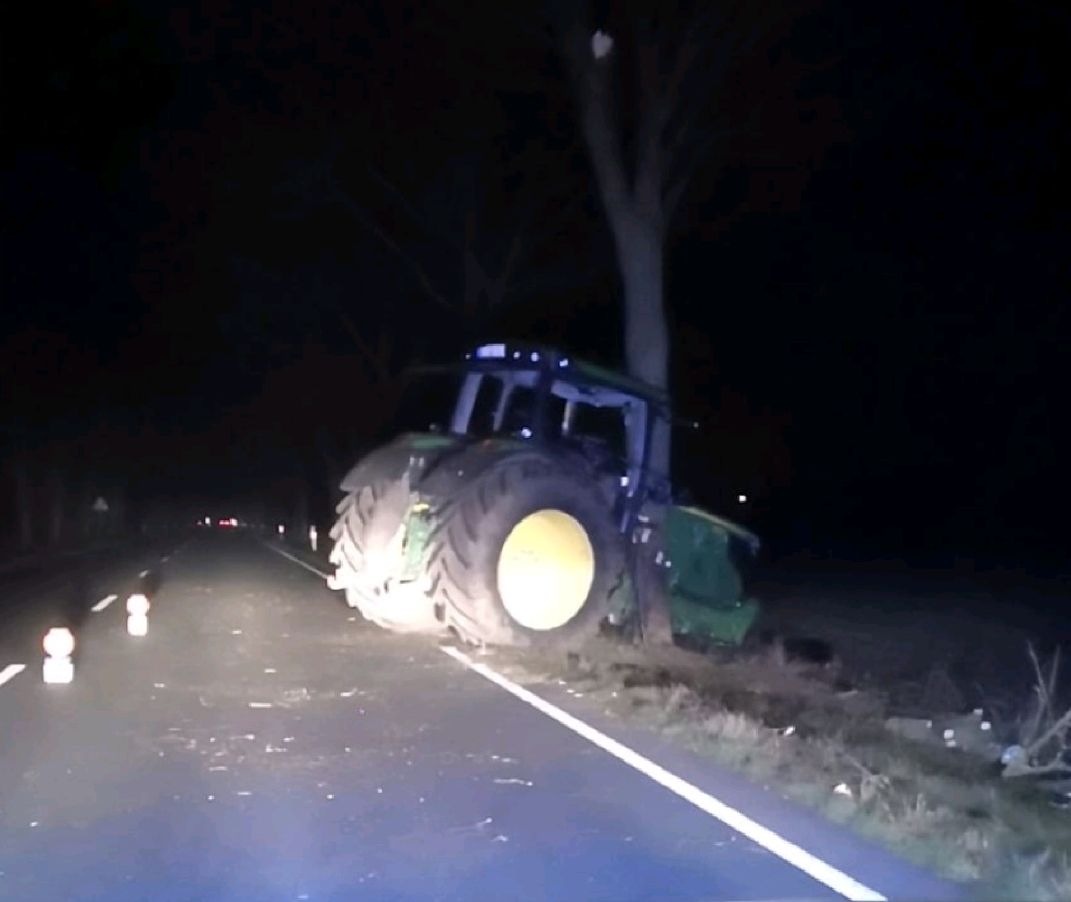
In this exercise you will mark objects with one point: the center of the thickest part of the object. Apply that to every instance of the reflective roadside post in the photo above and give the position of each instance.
(312, 537)
(137, 620)
(59, 646)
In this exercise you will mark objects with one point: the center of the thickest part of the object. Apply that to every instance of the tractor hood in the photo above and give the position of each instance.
(706, 584)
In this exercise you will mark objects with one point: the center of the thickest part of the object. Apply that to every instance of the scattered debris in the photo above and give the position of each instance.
(1043, 749)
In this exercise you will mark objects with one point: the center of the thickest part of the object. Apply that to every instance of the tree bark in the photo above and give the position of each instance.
(639, 246)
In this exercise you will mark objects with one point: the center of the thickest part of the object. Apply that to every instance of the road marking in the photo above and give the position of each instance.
(10, 672)
(814, 867)
(165, 558)
(103, 603)
(297, 561)
(143, 574)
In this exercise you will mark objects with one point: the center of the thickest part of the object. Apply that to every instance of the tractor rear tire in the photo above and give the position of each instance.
(368, 555)
(527, 555)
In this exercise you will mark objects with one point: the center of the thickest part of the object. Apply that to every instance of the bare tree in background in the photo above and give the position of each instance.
(22, 497)
(485, 233)
(657, 88)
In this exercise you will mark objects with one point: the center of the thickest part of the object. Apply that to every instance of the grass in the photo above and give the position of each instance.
(788, 726)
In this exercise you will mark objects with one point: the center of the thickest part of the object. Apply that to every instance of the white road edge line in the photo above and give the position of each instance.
(814, 867)
(10, 672)
(297, 561)
(103, 603)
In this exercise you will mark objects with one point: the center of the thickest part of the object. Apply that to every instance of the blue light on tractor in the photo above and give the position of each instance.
(491, 352)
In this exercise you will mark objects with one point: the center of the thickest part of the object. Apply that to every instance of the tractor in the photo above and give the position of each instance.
(532, 516)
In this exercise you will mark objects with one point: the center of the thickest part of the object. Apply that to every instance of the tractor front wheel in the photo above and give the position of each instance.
(368, 555)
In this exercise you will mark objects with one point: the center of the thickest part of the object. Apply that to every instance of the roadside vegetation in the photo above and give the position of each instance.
(806, 731)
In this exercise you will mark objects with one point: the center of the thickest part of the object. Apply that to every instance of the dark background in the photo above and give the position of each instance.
(220, 228)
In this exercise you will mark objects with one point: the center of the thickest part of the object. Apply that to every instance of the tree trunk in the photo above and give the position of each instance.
(652, 590)
(56, 512)
(301, 511)
(640, 255)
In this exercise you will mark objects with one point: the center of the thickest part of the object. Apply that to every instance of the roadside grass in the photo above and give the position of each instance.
(797, 730)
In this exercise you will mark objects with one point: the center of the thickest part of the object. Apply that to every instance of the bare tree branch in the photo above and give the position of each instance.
(1045, 737)
(388, 241)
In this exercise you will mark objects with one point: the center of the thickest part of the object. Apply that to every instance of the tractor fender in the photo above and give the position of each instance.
(388, 463)
(451, 473)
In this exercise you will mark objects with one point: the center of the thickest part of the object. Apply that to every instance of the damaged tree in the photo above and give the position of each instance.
(661, 92)
(1044, 747)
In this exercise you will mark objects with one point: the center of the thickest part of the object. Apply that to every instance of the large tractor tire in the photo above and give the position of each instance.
(525, 555)
(368, 556)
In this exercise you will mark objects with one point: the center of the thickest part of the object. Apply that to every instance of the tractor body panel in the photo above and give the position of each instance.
(705, 585)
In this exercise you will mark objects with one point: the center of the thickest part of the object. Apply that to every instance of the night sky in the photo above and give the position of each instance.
(224, 227)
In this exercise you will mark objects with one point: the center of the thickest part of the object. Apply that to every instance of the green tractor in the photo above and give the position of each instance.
(532, 517)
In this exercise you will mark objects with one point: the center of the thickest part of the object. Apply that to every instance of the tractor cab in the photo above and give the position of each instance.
(539, 395)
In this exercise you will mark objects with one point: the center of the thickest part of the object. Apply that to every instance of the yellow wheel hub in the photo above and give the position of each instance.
(545, 570)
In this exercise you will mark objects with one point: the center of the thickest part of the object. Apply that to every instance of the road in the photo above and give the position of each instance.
(262, 742)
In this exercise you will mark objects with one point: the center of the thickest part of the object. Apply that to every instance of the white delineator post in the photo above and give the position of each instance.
(312, 537)
(137, 609)
(59, 646)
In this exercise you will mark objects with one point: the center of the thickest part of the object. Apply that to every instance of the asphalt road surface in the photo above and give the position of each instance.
(261, 742)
